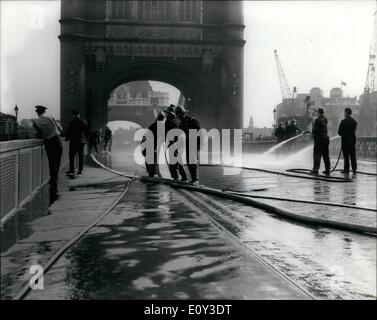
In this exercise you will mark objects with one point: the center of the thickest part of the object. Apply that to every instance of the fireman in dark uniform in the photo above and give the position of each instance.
(188, 123)
(279, 132)
(292, 129)
(286, 130)
(321, 143)
(347, 130)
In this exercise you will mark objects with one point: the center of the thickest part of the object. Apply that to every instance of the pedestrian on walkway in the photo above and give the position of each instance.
(321, 143)
(347, 131)
(77, 137)
(108, 138)
(49, 130)
(95, 140)
(189, 123)
(151, 165)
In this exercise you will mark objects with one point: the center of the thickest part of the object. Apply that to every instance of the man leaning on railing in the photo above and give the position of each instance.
(49, 130)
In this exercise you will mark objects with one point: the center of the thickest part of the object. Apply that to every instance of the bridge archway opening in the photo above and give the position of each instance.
(139, 102)
(170, 75)
(123, 134)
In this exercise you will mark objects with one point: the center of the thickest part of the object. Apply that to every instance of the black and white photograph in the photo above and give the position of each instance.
(188, 153)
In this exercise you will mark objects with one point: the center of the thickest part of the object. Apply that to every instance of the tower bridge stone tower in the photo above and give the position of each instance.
(194, 45)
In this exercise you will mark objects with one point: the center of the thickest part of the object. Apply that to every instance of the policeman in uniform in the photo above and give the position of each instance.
(347, 130)
(49, 130)
(321, 143)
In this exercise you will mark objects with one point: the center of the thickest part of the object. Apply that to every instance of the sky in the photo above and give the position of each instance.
(320, 44)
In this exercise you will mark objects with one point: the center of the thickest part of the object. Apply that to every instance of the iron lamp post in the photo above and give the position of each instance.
(307, 99)
(275, 118)
(16, 112)
(16, 124)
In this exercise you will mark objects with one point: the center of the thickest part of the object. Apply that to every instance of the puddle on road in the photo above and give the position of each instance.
(16, 228)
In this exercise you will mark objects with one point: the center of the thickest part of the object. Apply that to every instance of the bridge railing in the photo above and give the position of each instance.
(23, 171)
(366, 147)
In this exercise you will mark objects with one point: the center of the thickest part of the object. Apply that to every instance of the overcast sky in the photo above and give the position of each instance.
(320, 43)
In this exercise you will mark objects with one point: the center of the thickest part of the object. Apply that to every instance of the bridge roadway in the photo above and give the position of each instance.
(160, 243)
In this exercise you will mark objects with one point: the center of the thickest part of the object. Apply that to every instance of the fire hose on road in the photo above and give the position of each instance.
(246, 199)
(271, 209)
(301, 176)
(331, 204)
(228, 194)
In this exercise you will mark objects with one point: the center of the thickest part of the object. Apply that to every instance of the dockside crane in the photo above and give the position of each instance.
(286, 92)
(370, 85)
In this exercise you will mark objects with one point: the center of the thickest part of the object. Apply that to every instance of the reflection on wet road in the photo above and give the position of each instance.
(152, 246)
(17, 227)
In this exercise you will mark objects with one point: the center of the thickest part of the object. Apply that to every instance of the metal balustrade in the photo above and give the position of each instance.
(366, 147)
(23, 171)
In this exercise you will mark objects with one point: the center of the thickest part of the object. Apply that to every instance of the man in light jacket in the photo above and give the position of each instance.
(49, 130)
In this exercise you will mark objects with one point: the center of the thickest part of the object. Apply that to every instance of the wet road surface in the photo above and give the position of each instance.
(330, 264)
(154, 246)
(178, 249)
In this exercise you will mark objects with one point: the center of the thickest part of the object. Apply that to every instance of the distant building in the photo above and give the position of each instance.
(8, 127)
(334, 108)
(367, 116)
(293, 108)
(252, 133)
(26, 130)
(139, 93)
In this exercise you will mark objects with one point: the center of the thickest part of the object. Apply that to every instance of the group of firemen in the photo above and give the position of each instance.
(347, 132)
(174, 117)
(287, 130)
